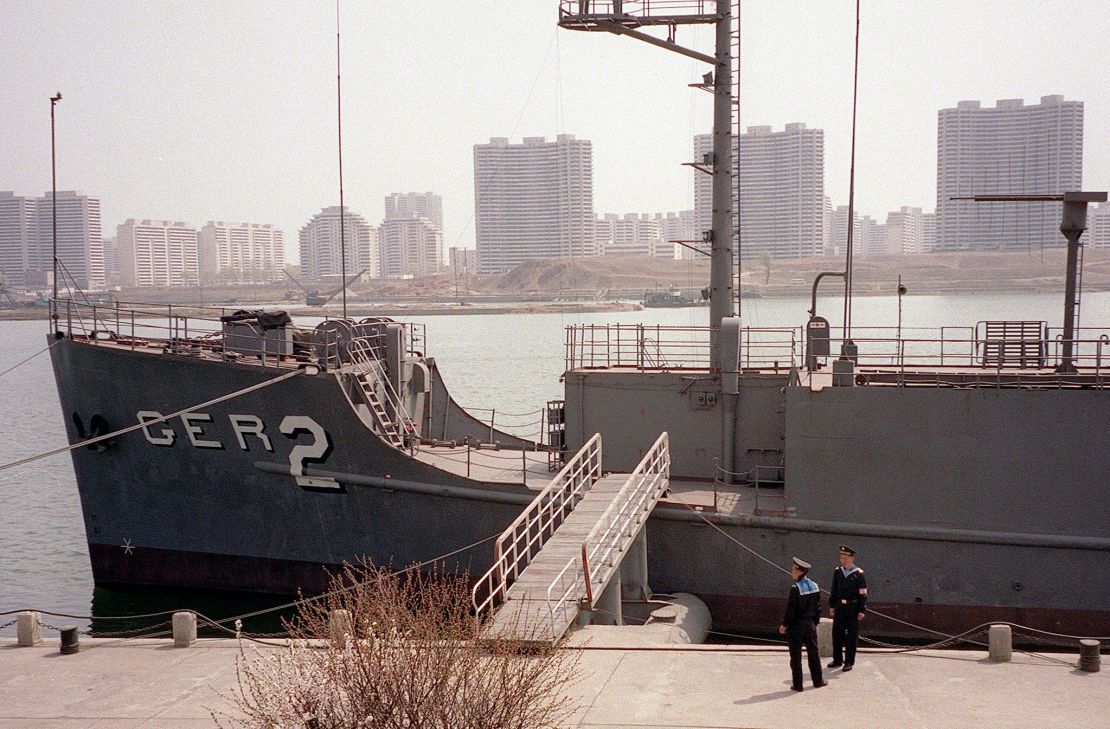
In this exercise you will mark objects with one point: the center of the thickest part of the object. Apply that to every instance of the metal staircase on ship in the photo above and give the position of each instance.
(389, 418)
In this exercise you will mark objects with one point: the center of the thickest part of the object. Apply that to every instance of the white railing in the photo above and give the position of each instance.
(522, 540)
(187, 329)
(934, 349)
(366, 361)
(605, 545)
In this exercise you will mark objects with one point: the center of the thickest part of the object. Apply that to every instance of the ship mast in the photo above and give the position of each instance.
(611, 16)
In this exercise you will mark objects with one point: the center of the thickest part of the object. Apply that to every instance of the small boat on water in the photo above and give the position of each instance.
(671, 299)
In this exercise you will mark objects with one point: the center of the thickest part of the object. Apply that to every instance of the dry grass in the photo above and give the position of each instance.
(404, 655)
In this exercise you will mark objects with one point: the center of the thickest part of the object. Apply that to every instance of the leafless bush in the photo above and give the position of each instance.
(405, 656)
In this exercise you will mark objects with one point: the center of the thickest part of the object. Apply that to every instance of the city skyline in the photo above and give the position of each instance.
(146, 118)
(529, 191)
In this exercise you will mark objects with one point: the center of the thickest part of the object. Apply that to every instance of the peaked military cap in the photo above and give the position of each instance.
(802, 564)
(844, 549)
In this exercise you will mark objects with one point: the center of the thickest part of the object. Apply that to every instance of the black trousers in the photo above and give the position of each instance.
(845, 634)
(797, 636)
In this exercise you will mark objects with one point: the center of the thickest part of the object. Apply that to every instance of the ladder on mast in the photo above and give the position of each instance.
(630, 18)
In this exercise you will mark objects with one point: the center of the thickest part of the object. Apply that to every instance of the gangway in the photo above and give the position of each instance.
(564, 559)
(393, 423)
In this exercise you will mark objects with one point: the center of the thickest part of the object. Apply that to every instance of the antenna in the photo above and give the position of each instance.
(848, 350)
(1073, 221)
(54, 193)
(339, 122)
(847, 346)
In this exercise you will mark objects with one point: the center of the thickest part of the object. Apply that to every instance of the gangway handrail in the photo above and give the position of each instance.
(522, 539)
(367, 362)
(615, 530)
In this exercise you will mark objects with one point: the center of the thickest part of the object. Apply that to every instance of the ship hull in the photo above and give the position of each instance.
(198, 503)
(752, 609)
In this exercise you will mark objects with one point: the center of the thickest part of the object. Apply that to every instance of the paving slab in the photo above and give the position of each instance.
(148, 684)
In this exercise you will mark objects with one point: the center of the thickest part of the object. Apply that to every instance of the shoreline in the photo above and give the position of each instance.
(555, 305)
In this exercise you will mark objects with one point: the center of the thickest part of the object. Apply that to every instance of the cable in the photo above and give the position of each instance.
(155, 421)
(25, 361)
(321, 596)
(947, 637)
(731, 538)
(256, 613)
(482, 187)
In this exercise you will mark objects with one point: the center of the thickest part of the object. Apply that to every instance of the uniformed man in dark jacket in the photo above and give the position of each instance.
(847, 606)
(799, 625)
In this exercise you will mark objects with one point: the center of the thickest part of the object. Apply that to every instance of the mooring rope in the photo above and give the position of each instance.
(946, 637)
(153, 421)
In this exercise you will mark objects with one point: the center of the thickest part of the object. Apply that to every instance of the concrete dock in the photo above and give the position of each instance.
(152, 685)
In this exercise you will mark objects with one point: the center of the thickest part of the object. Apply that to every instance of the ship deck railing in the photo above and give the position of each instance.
(202, 331)
(1017, 351)
(587, 14)
(489, 462)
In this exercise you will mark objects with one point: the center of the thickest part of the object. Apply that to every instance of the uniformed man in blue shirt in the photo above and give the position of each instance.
(799, 625)
(847, 607)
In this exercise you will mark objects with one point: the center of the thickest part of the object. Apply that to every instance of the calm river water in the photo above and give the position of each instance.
(508, 362)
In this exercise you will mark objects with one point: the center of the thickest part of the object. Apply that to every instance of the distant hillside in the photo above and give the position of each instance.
(628, 276)
(987, 271)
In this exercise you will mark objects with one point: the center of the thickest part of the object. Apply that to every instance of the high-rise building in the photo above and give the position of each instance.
(241, 251)
(703, 194)
(533, 200)
(1098, 226)
(80, 245)
(157, 253)
(826, 225)
(410, 247)
(838, 232)
(321, 246)
(904, 231)
(462, 259)
(426, 205)
(17, 215)
(872, 235)
(111, 260)
(680, 226)
(928, 231)
(1009, 148)
(635, 233)
(782, 191)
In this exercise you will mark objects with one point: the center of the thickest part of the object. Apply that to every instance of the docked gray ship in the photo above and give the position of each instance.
(968, 465)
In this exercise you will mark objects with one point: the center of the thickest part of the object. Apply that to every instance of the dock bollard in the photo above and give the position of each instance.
(1088, 655)
(339, 624)
(70, 640)
(28, 629)
(184, 629)
(824, 638)
(1000, 643)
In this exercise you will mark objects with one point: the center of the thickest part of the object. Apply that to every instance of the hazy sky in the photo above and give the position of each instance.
(226, 110)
